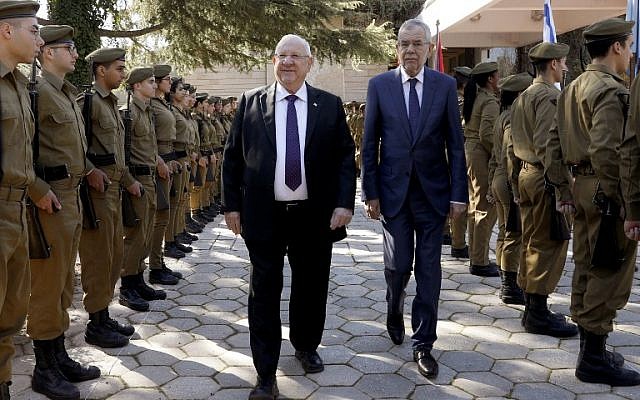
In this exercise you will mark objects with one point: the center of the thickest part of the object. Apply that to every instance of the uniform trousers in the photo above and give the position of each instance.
(52, 279)
(101, 250)
(509, 255)
(597, 293)
(542, 259)
(160, 226)
(14, 273)
(178, 185)
(137, 239)
(482, 215)
(307, 245)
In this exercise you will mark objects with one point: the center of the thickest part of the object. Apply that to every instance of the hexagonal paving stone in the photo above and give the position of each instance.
(213, 332)
(296, 387)
(566, 378)
(472, 319)
(440, 393)
(376, 344)
(171, 339)
(179, 324)
(483, 384)
(540, 391)
(199, 366)
(385, 385)
(139, 394)
(502, 351)
(553, 358)
(336, 354)
(190, 388)
(490, 333)
(376, 363)
(462, 361)
(168, 356)
(363, 328)
(338, 393)
(148, 376)
(336, 375)
(521, 371)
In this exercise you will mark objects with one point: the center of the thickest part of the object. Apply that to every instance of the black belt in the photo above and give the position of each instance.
(181, 153)
(526, 165)
(584, 169)
(169, 156)
(102, 160)
(140, 170)
(51, 174)
(291, 205)
(206, 152)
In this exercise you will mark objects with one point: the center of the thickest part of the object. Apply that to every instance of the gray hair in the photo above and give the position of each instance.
(288, 37)
(416, 23)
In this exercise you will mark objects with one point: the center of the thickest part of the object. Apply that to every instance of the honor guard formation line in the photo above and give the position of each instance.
(520, 165)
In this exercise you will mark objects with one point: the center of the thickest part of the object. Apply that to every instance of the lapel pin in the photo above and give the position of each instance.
(315, 104)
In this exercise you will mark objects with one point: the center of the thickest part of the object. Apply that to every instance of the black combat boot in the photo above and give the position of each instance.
(510, 292)
(171, 251)
(123, 329)
(162, 277)
(183, 248)
(190, 220)
(594, 366)
(129, 296)
(197, 215)
(193, 238)
(147, 292)
(4, 391)
(183, 238)
(102, 334)
(614, 357)
(73, 370)
(47, 377)
(170, 271)
(541, 321)
(193, 227)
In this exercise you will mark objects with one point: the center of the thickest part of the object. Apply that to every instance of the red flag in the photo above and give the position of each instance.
(439, 62)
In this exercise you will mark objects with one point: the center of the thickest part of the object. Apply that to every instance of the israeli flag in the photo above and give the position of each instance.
(549, 27)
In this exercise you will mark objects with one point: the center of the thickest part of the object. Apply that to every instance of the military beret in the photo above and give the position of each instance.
(106, 55)
(548, 51)
(516, 83)
(18, 9)
(139, 74)
(608, 29)
(233, 98)
(201, 96)
(226, 100)
(484, 68)
(52, 34)
(161, 70)
(464, 71)
(211, 100)
(191, 89)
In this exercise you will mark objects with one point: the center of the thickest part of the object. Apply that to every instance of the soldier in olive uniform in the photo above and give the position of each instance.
(480, 112)
(589, 129)
(101, 250)
(508, 255)
(209, 207)
(165, 128)
(357, 134)
(19, 43)
(542, 259)
(222, 135)
(143, 160)
(455, 230)
(60, 167)
(202, 159)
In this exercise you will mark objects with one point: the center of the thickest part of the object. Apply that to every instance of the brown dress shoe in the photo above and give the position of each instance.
(265, 389)
(427, 365)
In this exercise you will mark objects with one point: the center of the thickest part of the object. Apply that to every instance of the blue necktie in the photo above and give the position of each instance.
(292, 172)
(414, 107)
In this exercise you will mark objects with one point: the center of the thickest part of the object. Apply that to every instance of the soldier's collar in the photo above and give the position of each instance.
(4, 70)
(56, 82)
(605, 69)
(101, 91)
(141, 104)
(539, 79)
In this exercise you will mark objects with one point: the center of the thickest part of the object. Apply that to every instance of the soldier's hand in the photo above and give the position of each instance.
(565, 207)
(49, 203)
(163, 170)
(203, 162)
(135, 189)
(232, 218)
(516, 199)
(373, 208)
(490, 199)
(98, 180)
(457, 210)
(341, 217)
(632, 230)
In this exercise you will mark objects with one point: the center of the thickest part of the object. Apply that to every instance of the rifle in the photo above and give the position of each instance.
(559, 227)
(607, 252)
(90, 218)
(38, 246)
(514, 222)
(129, 217)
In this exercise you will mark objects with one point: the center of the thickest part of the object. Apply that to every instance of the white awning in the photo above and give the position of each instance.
(511, 23)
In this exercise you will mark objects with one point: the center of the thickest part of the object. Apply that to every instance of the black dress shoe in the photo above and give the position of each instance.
(460, 253)
(395, 327)
(265, 389)
(310, 360)
(490, 270)
(162, 277)
(427, 365)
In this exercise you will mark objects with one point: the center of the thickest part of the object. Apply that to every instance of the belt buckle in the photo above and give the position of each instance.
(289, 206)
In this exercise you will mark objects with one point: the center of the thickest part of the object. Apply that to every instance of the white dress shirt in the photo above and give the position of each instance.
(281, 190)
(406, 86)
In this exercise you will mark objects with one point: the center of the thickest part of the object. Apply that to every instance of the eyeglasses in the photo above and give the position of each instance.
(294, 57)
(70, 48)
(404, 45)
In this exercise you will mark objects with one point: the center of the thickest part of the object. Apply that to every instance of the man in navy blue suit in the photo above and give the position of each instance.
(413, 175)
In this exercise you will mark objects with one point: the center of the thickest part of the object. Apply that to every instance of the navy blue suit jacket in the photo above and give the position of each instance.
(436, 154)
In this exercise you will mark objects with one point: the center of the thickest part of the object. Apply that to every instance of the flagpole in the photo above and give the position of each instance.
(437, 65)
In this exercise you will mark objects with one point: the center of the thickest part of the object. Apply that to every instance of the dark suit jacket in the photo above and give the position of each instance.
(390, 156)
(249, 163)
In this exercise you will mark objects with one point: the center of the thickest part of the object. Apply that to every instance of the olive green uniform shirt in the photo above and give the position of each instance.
(17, 129)
(182, 130)
(144, 150)
(588, 129)
(479, 128)
(164, 124)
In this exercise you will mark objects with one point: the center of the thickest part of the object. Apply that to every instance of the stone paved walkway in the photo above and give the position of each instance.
(195, 345)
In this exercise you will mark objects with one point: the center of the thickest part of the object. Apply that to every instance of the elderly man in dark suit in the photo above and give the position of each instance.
(289, 181)
(413, 175)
